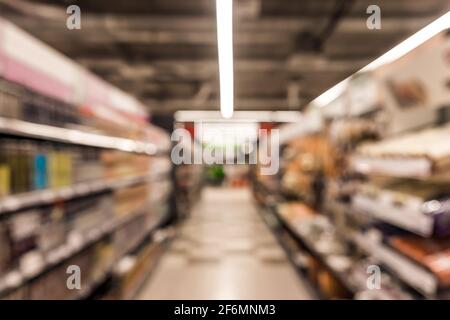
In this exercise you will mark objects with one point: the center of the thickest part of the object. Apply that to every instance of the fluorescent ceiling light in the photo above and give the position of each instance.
(331, 94)
(224, 13)
(257, 116)
(395, 53)
(411, 43)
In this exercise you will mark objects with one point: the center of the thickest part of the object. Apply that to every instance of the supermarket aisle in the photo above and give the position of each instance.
(225, 251)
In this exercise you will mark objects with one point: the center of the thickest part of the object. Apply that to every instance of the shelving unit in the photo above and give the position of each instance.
(416, 277)
(278, 229)
(77, 137)
(311, 249)
(399, 159)
(65, 251)
(104, 168)
(41, 197)
(410, 215)
(146, 238)
(283, 228)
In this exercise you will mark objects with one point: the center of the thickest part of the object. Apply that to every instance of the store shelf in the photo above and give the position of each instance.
(273, 223)
(310, 247)
(420, 154)
(269, 193)
(402, 167)
(72, 136)
(69, 249)
(409, 217)
(271, 198)
(47, 196)
(96, 283)
(415, 276)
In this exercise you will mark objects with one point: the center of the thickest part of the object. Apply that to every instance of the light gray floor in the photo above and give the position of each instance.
(224, 251)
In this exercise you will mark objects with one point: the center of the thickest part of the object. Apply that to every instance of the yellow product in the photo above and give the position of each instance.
(5, 180)
(53, 169)
(60, 174)
(104, 259)
(66, 168)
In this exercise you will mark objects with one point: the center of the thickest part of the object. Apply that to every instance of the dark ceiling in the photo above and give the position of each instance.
(287, 52)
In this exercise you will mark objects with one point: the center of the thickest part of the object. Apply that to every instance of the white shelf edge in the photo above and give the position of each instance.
(24, 200)
(408, 218)
(111, 227)
(417, 277)
(72, 136)
(405, 167)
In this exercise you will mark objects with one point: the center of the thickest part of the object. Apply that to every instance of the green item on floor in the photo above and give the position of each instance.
(216, 174)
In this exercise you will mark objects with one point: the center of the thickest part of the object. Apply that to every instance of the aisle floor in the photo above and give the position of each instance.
(224, 251)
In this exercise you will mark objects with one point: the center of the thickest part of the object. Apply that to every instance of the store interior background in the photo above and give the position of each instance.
(360, 208)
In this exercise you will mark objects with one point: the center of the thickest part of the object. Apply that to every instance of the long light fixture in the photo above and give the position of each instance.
(258, 116)
(224, 14)
(395, 53)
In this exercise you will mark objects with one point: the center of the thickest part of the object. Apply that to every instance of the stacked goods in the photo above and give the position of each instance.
(296, 211)
(50, 285)
(132, 271)
(78, 162)
(27, 165)
(389, 288)
(418, 206)
(421, 154)
(406, 193)
(433, 254)
(16, 102)
(120, 164)
(308, 162)
(128, 200)
(38, 243)
(188, 184)
(326, 253)
(41, 230)
(348, 133)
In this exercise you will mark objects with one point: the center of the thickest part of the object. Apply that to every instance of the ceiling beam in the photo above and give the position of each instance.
(172, 105)
(198, 69)
(312, 63)
(199, 24)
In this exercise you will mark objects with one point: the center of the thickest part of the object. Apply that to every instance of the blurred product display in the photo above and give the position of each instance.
(188, 184)
(245, 149)
(76, 188)
(358, 194)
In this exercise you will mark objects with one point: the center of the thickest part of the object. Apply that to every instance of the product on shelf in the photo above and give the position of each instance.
(388, 288)
(53, 228)
(16, 102)
(130, 234)
(77, 166)
(307, 162)
(83, 214)
(119, 163)
(417, 206)
(33, 239)
(129, 200)
(23, 231)
(10, 106)
(296, 211)
(434, 254)
(132, 271)
(29, 165)
(188, 184)
(351, 132)
(414, 275)
(419, 154)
